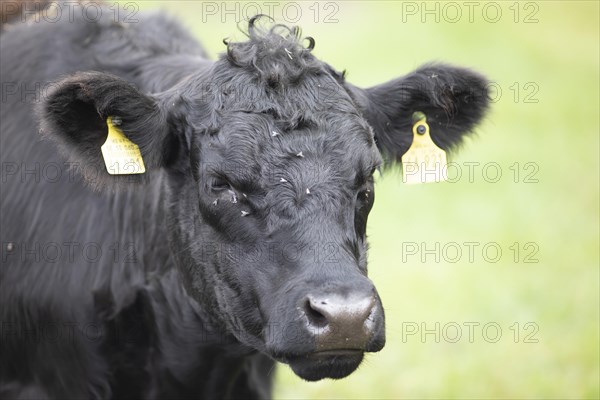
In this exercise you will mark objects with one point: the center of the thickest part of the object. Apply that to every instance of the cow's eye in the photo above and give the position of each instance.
(220, 184)
(365, 196)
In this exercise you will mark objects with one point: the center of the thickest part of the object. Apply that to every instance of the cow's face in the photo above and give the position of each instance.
(270, 157)
(283, 188)
(280, 236)
(283, 163)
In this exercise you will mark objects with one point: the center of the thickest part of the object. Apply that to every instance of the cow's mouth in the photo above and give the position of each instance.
(335, 364)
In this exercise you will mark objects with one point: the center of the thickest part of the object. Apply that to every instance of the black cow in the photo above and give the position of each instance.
(242, 244)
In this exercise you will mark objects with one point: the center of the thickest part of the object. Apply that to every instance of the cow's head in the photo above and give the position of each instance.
(268, 158)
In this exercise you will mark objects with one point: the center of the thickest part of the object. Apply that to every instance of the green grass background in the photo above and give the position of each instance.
(560, 213)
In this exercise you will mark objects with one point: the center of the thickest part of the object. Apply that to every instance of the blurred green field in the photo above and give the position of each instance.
(542, 135)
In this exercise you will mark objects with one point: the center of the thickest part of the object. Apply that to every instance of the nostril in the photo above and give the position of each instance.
(315, 317)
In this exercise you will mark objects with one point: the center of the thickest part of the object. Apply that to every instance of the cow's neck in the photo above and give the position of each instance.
(208, 364)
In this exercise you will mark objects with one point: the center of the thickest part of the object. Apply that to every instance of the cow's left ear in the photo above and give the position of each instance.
(453, 99)
(74, 114)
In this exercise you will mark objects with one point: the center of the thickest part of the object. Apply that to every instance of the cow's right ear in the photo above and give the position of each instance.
(453, 99)
(74, 114)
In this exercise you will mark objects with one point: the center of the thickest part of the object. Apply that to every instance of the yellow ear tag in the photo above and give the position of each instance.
(121, 155)
(424, 162)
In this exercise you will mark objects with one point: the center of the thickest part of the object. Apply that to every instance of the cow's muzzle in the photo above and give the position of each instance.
(343, 327)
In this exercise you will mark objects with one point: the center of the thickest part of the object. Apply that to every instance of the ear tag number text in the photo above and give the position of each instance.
(424, 162)
(121, 155)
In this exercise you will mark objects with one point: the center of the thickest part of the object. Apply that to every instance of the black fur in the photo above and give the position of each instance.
(257, 191)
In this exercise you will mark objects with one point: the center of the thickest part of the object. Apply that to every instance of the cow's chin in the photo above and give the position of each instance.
(334, 364)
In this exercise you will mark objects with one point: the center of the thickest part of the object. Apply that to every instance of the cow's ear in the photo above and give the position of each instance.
(74, 114)
(453, 99)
